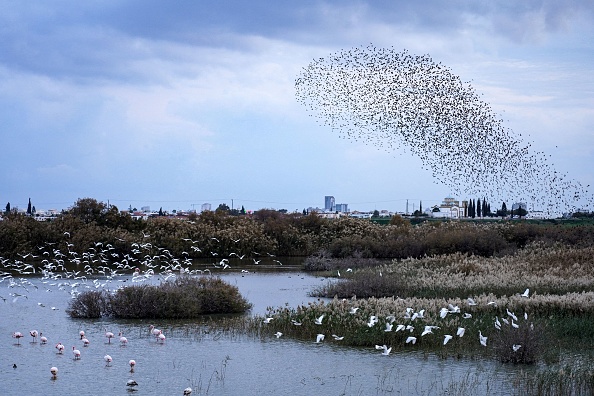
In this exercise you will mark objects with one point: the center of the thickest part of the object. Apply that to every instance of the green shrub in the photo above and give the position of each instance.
(185, 297)
(90, 304)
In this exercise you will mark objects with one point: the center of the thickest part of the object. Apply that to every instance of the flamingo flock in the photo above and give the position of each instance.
(108, 359)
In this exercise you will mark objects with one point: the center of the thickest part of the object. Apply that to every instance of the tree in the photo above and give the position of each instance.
(421, 206)
(8, 208)
(88, 210)
(161, 211)
(375, 213)
(223, 208)
(479, 208)
(399, 221)
(503, 211)
(29, 208)
(242, 210)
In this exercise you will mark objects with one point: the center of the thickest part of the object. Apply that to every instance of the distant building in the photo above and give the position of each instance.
(205, 207)
(342, 208)
(449, 202)
(329, 203)
(145, 209)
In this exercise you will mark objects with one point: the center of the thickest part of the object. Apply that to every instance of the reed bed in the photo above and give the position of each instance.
(554, 270)
(479, 294)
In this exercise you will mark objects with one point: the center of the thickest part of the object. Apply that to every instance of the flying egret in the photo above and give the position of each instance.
(446, 338)
(386, 351)
(319, 338)
(278, 334)
(411, 339)
(337, 338)
(318, 320)
(460, 331)
(466, 315)
(471, 301)
(429, 330)
(526, 293)
(515, 347)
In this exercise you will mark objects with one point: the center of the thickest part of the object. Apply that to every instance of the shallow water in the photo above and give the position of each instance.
(213, 363)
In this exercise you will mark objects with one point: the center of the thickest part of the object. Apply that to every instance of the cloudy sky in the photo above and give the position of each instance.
(174, 104)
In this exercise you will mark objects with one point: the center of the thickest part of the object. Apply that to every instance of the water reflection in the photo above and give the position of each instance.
(215, 363)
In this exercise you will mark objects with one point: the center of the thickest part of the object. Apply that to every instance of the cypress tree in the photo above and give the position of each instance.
(478, 208)
(29, 207)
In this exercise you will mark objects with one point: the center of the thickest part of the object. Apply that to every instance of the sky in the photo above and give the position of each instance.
(175, 104)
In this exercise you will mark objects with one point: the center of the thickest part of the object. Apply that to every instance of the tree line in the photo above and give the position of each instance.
(217, 232)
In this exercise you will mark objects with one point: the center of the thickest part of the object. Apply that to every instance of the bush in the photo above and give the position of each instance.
(90, 304)
(183, 298)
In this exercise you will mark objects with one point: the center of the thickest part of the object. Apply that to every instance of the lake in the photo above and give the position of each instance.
(208, 361)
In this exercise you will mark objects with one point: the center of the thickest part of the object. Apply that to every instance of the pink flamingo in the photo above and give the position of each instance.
(86, 342)
(109, 336)
(154, 331)
(123, 340)
(76, 353)
(60, 348)
(18, 335)
(108, 359)
(81, 334)
(161, 337)
(54, 371)
(132, 364)
(34, 335)
(42, 338)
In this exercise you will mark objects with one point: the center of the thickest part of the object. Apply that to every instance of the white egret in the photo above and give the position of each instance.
(319, 338)
(446, 338)
(318, 320)
(411, 339)
(460, 331)
(482, 339)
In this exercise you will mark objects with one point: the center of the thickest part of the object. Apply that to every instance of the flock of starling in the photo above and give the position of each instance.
(400, 101)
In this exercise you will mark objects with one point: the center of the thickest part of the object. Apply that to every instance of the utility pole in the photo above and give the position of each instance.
(407, 207)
